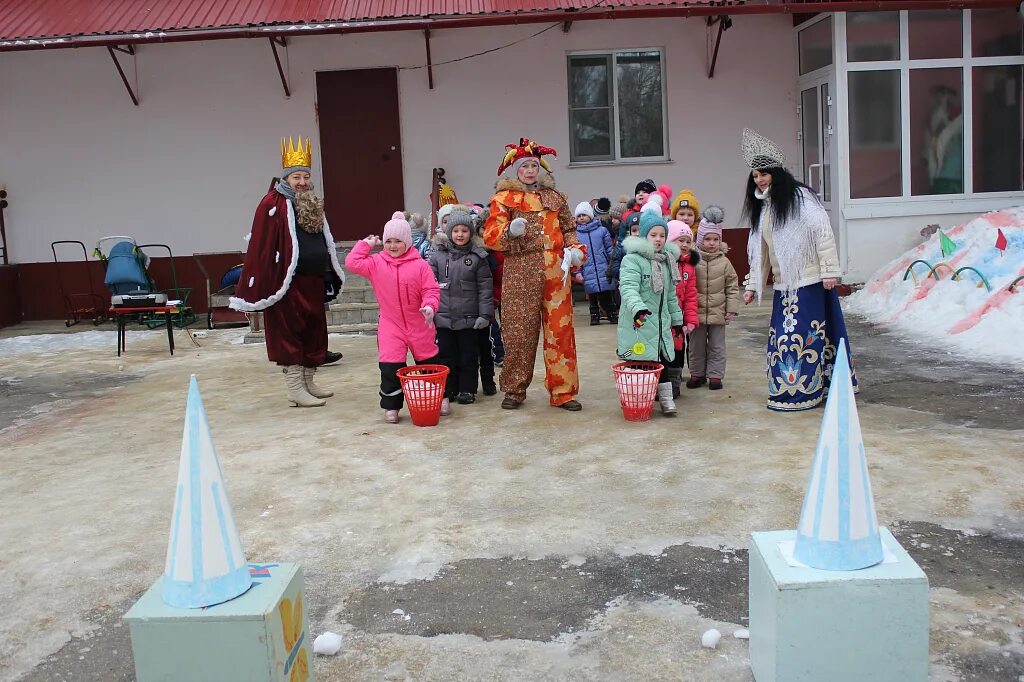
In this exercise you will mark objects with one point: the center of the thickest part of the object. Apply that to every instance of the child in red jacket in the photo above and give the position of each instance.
(686, 291)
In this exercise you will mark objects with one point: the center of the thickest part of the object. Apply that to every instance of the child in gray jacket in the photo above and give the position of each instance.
(459, 262)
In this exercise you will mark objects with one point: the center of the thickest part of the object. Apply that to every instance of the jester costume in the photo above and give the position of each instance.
(537, 293)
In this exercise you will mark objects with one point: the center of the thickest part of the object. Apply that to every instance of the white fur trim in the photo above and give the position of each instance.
(272, 211)
(332, 250)
(244, 306)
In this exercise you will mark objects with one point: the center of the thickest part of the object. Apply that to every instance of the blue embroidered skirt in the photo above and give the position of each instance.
(802, 341)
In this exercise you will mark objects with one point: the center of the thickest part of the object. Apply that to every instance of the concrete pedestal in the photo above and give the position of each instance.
(809, 625)
(262, 635)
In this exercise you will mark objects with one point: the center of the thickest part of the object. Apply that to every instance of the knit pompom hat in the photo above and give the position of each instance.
(685, 199)
(585, 208)
(603, 206)
(676, 228)
(458, 218)
(398, 228)
(711, 223)
(650, 220)
(618, 209)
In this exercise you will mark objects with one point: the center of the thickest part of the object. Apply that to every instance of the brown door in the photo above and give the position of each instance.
(361, 145)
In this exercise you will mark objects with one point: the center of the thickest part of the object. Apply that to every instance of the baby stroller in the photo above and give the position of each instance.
(125, 274)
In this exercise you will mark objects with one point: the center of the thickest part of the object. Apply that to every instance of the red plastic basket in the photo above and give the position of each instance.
(423, 386)
(637, 384)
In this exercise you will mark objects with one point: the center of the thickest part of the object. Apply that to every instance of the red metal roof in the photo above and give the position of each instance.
(42, 19)
(43, 24)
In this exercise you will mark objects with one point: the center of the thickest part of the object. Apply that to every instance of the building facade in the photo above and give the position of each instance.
(898, 119)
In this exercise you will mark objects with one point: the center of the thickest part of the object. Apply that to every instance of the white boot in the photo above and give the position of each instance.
(446, 407)
(314, 390)
(297, 393)
(668, 405)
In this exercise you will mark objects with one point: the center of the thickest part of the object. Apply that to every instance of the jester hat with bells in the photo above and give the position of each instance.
(526, 149)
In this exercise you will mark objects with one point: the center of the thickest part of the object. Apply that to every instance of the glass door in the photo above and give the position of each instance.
(818, 158)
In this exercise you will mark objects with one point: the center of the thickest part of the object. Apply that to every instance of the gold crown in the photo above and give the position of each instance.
(290, 156)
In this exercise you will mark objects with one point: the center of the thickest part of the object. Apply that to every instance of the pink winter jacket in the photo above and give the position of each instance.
(403, 285)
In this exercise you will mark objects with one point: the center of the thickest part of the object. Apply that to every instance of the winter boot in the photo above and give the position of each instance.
(595, 320)
(668, 405)
(696, 381)
(715, 384)
(446, 407)
(314, 390)
(675, 377)
(489, 387)
(391, 416)
(297, 393)
(466, 398)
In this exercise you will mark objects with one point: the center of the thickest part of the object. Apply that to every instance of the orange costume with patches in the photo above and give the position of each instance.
(534, 294)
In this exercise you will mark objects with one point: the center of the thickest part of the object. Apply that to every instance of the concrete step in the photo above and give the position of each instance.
(357, 296)
(353, 313)
(363, 328)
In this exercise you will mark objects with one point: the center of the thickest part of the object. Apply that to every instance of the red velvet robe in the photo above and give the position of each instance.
(272, 255)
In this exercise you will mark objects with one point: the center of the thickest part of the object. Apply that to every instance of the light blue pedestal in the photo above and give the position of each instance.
(809, 625)
(260, 636)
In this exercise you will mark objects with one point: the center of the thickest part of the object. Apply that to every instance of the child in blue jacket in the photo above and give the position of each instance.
(596, 269)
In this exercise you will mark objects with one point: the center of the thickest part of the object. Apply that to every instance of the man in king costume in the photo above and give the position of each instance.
(531, 223)
(290, 249)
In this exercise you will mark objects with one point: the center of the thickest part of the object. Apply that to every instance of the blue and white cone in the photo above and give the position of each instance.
(838, 529)
(205, 562)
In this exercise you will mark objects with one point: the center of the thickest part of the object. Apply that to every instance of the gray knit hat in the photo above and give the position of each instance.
(458, 218)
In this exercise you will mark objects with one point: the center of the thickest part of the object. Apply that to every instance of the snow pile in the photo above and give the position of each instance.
(958, 314)
(56, 343)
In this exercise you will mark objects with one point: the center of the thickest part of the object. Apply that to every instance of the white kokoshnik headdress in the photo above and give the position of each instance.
(760, 153)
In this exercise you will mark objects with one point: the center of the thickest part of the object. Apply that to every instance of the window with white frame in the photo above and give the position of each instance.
(915, 78)
(617, 106)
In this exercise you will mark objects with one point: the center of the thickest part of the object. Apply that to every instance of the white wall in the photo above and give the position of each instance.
(188, 166)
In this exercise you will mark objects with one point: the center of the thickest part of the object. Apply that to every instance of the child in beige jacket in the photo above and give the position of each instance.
(718, 301)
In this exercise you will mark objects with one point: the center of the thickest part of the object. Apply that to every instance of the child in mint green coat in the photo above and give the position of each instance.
(650, 310)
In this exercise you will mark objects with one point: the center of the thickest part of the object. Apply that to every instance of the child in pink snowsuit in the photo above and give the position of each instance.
(408, 296)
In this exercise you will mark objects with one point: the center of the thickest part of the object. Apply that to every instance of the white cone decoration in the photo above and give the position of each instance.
(205, 562)
(838, 529)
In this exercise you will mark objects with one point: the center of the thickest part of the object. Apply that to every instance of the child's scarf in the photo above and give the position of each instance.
(658, 275)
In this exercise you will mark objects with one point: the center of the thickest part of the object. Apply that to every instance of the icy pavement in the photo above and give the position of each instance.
(605, 519)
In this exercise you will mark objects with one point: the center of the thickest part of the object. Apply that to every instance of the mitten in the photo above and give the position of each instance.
(640, 317)
(575, 257)
(481, 323)
(517, 228)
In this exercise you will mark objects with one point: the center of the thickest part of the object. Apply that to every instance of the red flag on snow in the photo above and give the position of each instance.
(1001, 240)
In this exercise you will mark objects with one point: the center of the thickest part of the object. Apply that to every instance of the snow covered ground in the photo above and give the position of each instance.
(957, 315)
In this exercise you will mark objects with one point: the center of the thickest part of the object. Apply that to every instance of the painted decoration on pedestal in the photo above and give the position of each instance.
(838, 529)
(205, 562)
(296, 667)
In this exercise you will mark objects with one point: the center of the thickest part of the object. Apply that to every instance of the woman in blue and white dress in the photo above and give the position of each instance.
(791, 237)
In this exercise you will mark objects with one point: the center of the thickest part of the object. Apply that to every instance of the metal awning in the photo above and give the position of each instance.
(56, 24)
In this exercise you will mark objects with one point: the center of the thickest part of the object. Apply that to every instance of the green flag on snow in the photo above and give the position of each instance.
(947, 245)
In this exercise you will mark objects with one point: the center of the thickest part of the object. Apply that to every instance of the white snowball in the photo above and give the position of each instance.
(327, 644)
(711, 638)
(742, 633)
